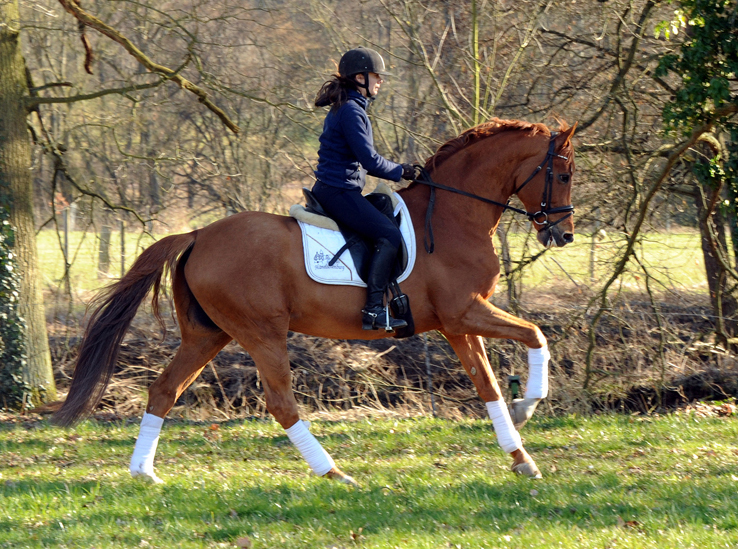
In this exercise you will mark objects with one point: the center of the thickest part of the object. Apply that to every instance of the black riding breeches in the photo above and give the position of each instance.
(351, 210)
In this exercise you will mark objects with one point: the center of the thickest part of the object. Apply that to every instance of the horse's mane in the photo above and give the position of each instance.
(486, 129)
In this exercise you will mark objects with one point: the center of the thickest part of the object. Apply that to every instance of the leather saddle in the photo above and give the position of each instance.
(360, 249)
(361, 252)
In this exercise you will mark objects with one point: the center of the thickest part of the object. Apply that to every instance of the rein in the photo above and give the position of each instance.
(543, 213)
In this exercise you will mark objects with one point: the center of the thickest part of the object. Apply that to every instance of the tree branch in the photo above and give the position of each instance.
(91, 21)
(33, 102)
(608, 51)
(623, 70)
(51, 85)
(61, 167)
(675, 154)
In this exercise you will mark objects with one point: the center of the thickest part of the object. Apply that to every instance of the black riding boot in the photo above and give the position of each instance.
(374, 314)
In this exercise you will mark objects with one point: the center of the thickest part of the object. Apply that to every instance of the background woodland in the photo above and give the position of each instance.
(190, 111)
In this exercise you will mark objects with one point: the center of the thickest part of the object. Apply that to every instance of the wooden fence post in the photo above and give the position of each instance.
(65, 218)
(103, 260)
(122, 248)
(593, 250)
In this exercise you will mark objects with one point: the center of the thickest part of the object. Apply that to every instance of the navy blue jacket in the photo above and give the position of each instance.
(347, 146)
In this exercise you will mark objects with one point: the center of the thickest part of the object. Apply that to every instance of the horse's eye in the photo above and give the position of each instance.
(564, 178)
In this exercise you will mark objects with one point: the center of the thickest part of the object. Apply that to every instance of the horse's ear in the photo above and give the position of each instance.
(565, 136)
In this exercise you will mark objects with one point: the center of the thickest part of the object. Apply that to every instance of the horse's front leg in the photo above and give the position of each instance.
(470, 350)
(484, 319)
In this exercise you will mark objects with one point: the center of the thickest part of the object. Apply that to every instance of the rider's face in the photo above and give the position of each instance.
(375, 81)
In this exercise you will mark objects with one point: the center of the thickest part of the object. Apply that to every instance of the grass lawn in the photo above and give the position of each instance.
(609, 481)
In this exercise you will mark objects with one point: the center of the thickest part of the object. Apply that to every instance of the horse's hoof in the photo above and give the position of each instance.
(340, 476)
(526, 469)
(148, 477)
(521, 410)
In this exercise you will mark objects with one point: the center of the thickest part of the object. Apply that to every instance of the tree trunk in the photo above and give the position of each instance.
(712, 233)
(16, 195)
(732, 214)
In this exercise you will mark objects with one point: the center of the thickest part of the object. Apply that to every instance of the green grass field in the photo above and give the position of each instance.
(609, 481)
(674, 260)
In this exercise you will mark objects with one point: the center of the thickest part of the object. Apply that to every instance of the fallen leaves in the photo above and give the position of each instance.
(705, 409)
(634, 524)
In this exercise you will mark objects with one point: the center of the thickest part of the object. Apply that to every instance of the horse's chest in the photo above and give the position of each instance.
(476, 276)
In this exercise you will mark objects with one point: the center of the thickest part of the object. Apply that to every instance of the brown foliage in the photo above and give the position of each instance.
(389, 376)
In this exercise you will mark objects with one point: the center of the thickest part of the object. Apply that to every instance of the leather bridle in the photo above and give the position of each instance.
(539, 218)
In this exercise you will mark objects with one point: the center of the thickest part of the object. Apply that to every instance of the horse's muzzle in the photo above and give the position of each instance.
(555, 237)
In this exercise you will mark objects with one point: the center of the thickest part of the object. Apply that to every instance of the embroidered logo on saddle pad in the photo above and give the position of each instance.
(320, 245)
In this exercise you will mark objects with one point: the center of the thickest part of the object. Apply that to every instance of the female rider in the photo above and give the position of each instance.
(346, 153)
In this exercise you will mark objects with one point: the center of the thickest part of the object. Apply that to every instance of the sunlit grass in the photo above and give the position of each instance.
(674, 261)
(609, 481)
(84, 250)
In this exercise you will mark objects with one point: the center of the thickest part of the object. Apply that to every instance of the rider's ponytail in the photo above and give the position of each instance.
(334, 92)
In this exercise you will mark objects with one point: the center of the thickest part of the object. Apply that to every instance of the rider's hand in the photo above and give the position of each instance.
(408, 171)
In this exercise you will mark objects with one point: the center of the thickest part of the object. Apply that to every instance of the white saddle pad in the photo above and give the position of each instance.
(320, 245)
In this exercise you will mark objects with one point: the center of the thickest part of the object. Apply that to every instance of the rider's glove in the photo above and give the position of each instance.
(408, 171)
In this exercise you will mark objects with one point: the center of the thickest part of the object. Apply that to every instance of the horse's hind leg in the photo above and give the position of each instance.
(201, 341)
(470, 350)
(273, 363)
(196, 350)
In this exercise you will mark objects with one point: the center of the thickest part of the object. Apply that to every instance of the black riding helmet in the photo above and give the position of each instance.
(362, 61)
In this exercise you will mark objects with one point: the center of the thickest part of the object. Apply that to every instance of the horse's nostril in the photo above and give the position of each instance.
(568, 238)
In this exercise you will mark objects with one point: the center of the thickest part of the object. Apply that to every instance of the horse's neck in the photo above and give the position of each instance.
(490, 178)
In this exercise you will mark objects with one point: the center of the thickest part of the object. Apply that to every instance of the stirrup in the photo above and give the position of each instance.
(380, 318)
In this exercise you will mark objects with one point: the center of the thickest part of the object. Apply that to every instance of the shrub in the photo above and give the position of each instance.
(13, 390)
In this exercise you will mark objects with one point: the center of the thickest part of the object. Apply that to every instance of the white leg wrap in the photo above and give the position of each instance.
(537, 386)
(507, 436)
(318, 459)
(142, 461)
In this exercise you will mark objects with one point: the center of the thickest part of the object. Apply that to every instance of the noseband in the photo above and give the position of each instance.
(539, 218)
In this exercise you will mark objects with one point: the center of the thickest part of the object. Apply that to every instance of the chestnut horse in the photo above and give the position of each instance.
(243, 278)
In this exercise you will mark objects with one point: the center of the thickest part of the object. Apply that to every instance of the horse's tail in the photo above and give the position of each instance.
(113, 313)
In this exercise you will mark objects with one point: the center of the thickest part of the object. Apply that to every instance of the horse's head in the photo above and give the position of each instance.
(543, 184)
